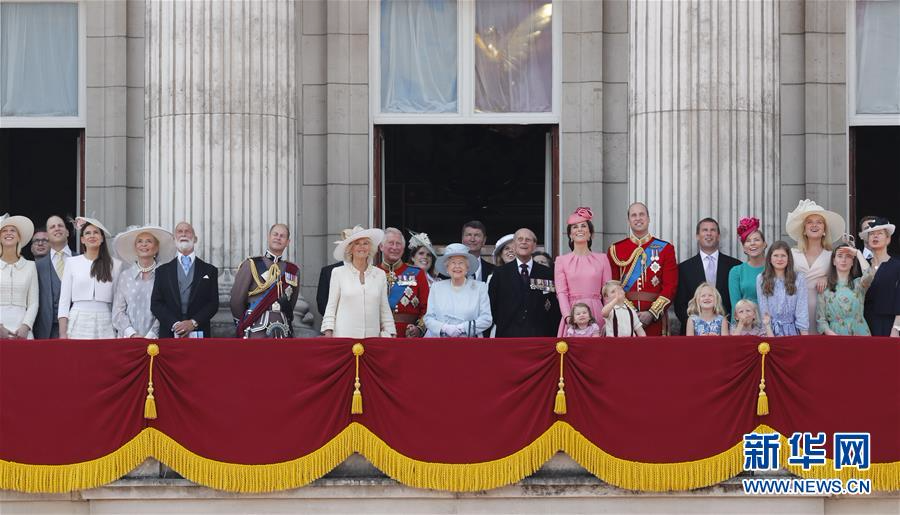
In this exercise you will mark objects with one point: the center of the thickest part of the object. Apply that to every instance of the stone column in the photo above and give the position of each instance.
(704, 116)
(221, 124)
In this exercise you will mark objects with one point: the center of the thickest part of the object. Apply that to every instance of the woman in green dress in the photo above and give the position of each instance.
(839, 309)
(742, 278)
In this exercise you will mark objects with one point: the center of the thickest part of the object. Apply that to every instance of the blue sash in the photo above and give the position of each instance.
(643, 259)
(397, 290)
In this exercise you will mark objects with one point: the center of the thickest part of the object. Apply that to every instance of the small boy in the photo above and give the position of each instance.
(621, 319)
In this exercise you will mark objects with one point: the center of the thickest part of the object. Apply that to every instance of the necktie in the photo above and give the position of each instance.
(60, 263)
(186, 264)
(524, 272)
(710, 270)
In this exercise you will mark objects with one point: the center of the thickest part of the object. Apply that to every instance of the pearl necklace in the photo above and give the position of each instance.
(145, 270)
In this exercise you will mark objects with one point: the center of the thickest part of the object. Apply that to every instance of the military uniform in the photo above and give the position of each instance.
(263, 297)
(407, 295)
(648, 270)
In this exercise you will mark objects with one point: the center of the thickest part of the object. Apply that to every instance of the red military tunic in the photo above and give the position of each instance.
(652, 268)
(407, 294)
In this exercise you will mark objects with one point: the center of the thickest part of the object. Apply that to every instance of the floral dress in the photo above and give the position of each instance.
(841, 310)
(702, 327)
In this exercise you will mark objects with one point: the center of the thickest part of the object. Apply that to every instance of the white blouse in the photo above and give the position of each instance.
(357, 310)
(78, 285)
(18, 293)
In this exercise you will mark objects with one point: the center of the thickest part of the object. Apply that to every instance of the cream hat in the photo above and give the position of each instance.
(501, 243)
(455, 249)
(124, 243)
(878, 224)
(834, 223)
(23, 225)
(357, 233)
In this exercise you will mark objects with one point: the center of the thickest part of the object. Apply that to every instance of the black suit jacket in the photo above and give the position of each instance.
(48, 297)
(518, 310)
(691, 273)
(486, 270)
(165, 301)
(324, 285)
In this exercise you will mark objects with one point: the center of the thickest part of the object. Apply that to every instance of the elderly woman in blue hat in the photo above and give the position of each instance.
(458, 307)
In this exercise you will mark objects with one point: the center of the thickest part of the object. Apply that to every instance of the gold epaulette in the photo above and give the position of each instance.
(261, 286)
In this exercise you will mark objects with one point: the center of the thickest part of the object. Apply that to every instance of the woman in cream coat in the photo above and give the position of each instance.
(18, 279)
(357, 298)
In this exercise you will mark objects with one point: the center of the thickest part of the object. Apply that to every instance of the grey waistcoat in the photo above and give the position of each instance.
(184, 285)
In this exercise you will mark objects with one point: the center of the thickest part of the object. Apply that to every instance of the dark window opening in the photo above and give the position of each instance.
(437, 177)
(875, 175)
(39, 173)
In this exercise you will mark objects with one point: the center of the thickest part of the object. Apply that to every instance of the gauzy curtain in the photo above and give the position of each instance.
(418, 56)
(878, 56)
(513, 56)
(39, 59)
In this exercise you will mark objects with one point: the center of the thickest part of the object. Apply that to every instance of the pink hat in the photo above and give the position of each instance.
(581, 214)
(746, 226)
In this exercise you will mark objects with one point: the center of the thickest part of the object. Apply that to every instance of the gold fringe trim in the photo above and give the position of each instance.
(76, 476)
(457, 477)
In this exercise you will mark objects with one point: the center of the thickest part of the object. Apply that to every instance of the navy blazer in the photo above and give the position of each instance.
(691, 273)
(46, 324)
(518, 310)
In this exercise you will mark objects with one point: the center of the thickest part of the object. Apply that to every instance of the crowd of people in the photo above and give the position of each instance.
(147, 282)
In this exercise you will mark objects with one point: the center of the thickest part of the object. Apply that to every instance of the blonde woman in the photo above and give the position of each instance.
(18, 279)
(357, 295)
(814, 229)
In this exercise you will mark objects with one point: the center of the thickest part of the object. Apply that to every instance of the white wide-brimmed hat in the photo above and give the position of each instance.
(878, 224)
(23, 225)
(455, 249)
(92, 221)
(357, 233)
(124, 243)
(834, 223)
(502, 242)
(420, 239)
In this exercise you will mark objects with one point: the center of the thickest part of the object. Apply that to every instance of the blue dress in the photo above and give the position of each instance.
(702, 327)
(789, 313)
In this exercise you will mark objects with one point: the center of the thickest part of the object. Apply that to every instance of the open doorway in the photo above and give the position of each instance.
(40, 172)
(437, 177)
(875, 175)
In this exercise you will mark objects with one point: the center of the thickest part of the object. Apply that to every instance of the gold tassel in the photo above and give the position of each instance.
(150, 402)
(356, 407)
(762, 403)
(559, 407)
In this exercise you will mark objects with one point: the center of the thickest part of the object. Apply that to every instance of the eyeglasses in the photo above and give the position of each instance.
(40, 241)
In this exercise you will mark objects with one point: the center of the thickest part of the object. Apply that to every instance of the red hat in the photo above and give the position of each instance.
(581, 214)
(746, 226)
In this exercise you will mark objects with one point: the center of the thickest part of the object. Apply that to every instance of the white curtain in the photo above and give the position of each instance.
(418, 56)
(878, 56)
(513, 56)
(39, 59)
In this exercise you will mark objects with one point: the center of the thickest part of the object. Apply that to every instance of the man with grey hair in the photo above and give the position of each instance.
(185, 290)
(523, 294)
(407, 286)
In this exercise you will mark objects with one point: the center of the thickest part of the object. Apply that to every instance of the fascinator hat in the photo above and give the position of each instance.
(581, 214)
(747, 226)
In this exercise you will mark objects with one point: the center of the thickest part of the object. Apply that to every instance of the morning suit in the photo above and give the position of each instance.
(181, 296)
(324, 283)
(46, 325)
(691, 273)
(521, 309)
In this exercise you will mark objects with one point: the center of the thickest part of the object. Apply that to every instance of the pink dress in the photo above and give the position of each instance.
(580, 279)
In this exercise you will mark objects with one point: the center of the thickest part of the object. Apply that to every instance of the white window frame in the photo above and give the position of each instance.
(54, 122)
(854, 118)
(465, 76)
